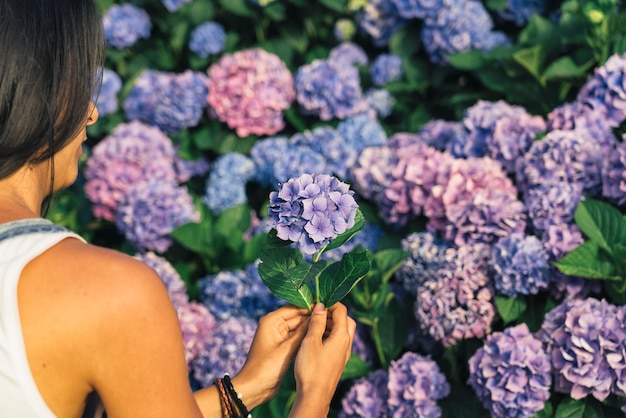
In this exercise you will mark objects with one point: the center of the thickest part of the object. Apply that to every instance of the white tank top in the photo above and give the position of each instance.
(20, 242)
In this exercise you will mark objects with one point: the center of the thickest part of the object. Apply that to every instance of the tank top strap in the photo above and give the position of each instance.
(28, 226)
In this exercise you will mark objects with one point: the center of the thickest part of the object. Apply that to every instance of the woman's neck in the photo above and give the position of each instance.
(21, 196)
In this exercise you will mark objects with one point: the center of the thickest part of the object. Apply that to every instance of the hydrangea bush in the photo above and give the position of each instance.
(465, 158)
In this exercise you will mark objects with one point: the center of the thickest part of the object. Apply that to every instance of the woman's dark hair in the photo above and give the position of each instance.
(51, 52)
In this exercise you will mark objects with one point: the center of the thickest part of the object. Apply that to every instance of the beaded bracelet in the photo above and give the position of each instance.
(230, 401)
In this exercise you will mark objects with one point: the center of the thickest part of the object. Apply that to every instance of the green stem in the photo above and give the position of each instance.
(378, 343)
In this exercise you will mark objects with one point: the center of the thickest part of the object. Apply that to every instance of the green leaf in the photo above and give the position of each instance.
(539, 30)
(496, 4)
(355, 368)
(275, 11)
(546, 412)
(387, 261)
(570, 408)
(563, 68)
(233, 220)
(283, 272)
(586, 260)
(467, 61)
(238, 7)
(601, 223)
(193, 236)
(359, 224)
(336, 5)
(390, 331)
(339, 278)
(510, 309)
(403, 44)
(532, 59)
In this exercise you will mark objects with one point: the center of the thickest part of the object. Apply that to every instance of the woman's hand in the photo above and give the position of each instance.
(275, 343)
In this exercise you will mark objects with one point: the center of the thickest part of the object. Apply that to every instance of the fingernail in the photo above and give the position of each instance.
(319, 308)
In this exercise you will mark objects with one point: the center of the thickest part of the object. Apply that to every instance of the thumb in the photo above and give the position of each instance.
(317, 323)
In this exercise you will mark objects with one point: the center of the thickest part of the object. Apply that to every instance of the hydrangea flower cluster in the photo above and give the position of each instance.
(520, 265)
(312, 210)
(379, 19)
(415, 385)
(125, 24)
(426, 257)
(186, 169)
(167, 100)
(169, 276)
(444, 135)
(131, 154)
(586, 340)
(457, 303)
(606, 90)
(106, 98)
(552, 203)
(249, 90)
(614, 174)
(226, 184)
(226, 352)
(208, 38)
(174, 5)
(348, 54)
(520, 11)
(511, 373)
(420, 9)
(197, 325)
(151, 210)
(367, 397)
(338, 152)
(239, 293)
(385, 69)
(380, 101)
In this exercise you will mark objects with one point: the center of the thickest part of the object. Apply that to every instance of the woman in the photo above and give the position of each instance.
(77, 320)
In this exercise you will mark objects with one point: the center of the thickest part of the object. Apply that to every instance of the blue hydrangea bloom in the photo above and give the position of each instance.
(174, 5)
(380, 101)
(207, 39)
(106, 98)
(226, 184)
(239, 293)
(340, 154)
(420, 9)
(520, 265)
(367, 397)
(125, 24)
(552, 203)
(426, 256)
(510, 374)
(385, 69)
(167, 100)
(415, 385)
(299, 160)
(264, 153)
(379, 19)
(151, 211)
(520, 11)
(362, 131)
(614, 174)
(348, 54)
(444, 135)
(312, 210)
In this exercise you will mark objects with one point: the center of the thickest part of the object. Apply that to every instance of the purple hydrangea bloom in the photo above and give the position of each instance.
(174, 5)
(552, 203)
(363, 344)
(463, 26)
(348, 54)
(167, 100)
(312, 210)
(151, 210)
(125, 24)
(344, 29)
(614, 174)
(606, 90)
(379, 19)
(458, 303)
(209, 38)
(239, 293)
(197, 325)
(586, 340)
(415, 385)
(420, 9)
(186, 169)
(367, 397)
(339, 153)
(249, 90)
(169, 276)
(520, 265)
(264, 153)
(444, 135)
(427, 256)
(132, 153)
(227, 350)
(328, 89)
(226, 184)
(385, 69)
(520, 11)
(501, 131)
(106, 98)
(511, 373)
(567, 156)
(380, 101)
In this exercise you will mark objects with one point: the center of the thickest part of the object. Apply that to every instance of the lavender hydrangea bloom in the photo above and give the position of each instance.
(151, 211)
(174, 5)
(552, 203)
(264, 153)
(186, 169)
(125, 24)
(444, 135)
(586, 340)
(226, 184)
(379, 19)
(339, 153)
(562, 156)
(298, 161)
(385, 69)
(239, 293)
(167, 100)
(415, 385)
(312, 210)
(348, 54)
(197, 325)
(520, 265)
(380, 101)
(420, 9)
(169, 276)
(106, 99)
(208, 38)
(362, 131)
(327, 89)
(363, 344)
(520, 11)
(427, 256)
(606, 90)
(132, 153)
(367, 397)
(511, 373)
(614, 174)
(249, 90)
(462, 26)
(227, 351)
(458, 304)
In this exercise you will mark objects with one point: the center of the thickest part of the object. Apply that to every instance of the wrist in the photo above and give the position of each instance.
(310, 404)
(251, 390)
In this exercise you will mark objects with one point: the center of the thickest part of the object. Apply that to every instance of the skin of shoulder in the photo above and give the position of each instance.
(108, 319)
